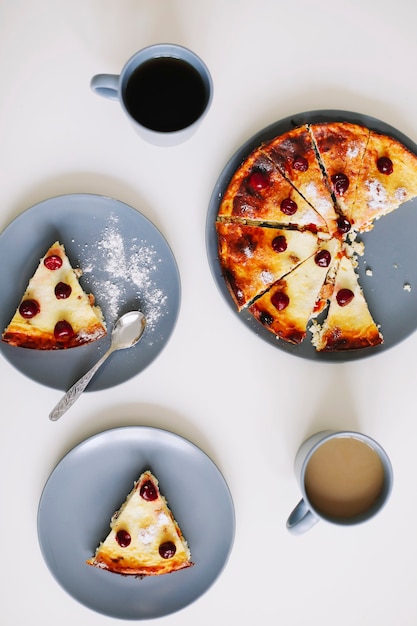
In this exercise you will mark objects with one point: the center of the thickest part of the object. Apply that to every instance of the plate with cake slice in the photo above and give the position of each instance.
(310, 233)
(136, 523)
(83, 260)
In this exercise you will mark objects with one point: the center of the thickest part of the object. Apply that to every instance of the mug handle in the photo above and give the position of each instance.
(106, 85)
(301, 519)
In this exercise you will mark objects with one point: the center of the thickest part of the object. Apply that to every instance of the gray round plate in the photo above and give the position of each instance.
(92, 481)
(390, 251)
(127, 264)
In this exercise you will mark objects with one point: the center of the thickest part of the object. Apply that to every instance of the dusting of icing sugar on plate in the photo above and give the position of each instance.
(126, 264)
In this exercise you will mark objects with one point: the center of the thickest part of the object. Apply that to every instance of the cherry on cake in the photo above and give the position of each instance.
(144, 538)
(55, 312)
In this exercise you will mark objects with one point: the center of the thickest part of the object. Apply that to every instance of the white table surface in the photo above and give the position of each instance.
(246, 404)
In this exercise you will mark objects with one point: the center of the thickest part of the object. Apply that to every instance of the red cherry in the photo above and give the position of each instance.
(29, 308)
(384, 165)
(343, 225)
(259, 180)
(288, 206)
(280, 300)
(62, 291)
(123, 538)
(63, 330)
(300, 164)
(53, 262)
(340, 183)
(279, 243)
(148, 491)
(167, 550)
(344, 296)
(323, 258)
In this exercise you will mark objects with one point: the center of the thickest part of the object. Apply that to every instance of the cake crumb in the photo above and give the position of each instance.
(407, 287)
(369, 272)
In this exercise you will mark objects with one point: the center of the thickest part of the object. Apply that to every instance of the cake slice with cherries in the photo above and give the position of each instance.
(259, 193)
(55, 312)
(341, 148)
(287, 307)
(254, 257)
(144, 537)
(387, 179)
(349, 324)
(295, 156)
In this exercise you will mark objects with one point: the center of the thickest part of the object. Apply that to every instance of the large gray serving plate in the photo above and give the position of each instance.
(120, 251)
(91, 482)
(387, 268)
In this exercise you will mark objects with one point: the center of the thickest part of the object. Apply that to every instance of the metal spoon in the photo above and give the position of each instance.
(126, 333)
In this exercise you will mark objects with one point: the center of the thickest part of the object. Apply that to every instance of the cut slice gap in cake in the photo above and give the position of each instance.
(340, 148)
(287, 307)
(254, 257)
(259, 193)
(295, 156)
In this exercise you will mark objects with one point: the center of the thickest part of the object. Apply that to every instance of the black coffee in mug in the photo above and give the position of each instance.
(165, 94)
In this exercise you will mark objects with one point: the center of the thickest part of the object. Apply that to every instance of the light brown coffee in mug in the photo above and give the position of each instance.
(344, 477)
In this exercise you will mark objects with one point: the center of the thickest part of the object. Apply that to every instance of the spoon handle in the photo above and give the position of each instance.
(76, 390)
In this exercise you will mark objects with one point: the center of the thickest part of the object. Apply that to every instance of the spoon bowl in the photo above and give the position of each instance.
(128, 330)
(125, 334)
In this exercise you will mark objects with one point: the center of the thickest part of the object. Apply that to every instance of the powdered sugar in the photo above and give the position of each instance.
(353, 151)
(377, 194)
(322, 204)
(401, 194)
(148, 535)
(267, 277)
(248, 252)
(121, 272)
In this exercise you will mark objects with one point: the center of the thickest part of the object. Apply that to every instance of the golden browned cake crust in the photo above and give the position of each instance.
(387, 179)
(145, 539)
(254, 257)
(55, 312)
(349, 324)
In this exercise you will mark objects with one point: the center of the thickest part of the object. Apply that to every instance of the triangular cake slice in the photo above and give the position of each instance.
(55, 312)
(341, 147)
(258, 192)
(387, 179)
(287, 307)
(295, 156)
(145, 539)
(254, 257)
(349, 324)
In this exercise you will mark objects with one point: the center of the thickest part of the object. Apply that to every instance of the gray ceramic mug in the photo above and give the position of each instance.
(345, 478)
(165, 90)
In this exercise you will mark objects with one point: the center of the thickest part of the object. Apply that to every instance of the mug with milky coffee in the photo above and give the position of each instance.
(345, 478)
(165, 90)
